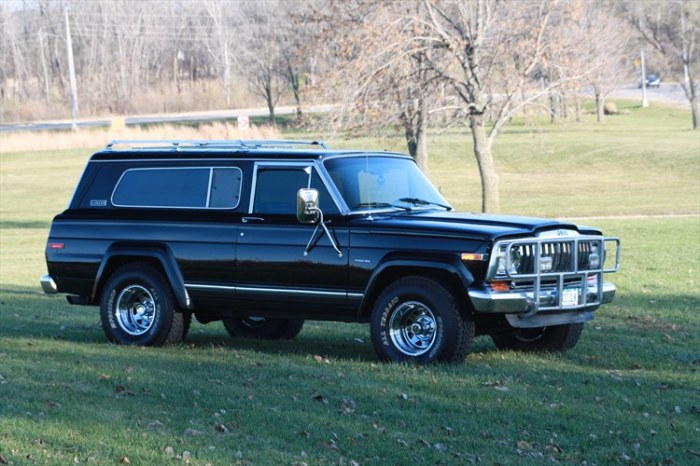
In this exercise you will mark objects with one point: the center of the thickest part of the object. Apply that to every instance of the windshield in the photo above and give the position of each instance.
(378, 182)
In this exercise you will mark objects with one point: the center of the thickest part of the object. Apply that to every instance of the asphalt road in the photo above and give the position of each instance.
(668, 93)
(159, 118)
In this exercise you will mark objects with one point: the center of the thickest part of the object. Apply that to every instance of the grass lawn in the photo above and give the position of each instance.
(629, 393)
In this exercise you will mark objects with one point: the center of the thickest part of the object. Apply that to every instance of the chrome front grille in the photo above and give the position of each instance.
(557, 254)
(563, 272)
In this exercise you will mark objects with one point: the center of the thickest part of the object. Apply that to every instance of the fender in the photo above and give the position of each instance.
(451, 264)
(159, 252)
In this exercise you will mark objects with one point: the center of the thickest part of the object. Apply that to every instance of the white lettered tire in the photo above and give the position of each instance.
(417, 319)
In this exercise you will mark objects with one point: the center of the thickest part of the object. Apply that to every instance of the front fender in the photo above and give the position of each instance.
(397, 265)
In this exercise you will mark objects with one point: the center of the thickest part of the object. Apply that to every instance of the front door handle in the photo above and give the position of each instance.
(252, 219)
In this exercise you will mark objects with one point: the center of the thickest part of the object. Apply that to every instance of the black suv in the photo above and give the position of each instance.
(265, 234)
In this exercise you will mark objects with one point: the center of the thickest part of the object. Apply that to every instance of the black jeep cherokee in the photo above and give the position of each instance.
(265, 234)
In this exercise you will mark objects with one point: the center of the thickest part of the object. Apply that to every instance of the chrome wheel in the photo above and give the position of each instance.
(413, 328)
(254, 322)
(135, 310)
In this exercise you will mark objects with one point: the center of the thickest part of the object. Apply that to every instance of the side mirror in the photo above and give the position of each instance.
(307, 205)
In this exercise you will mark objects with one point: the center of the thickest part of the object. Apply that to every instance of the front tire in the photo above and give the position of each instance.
(554, 338)
(417, 319)
(138, 308)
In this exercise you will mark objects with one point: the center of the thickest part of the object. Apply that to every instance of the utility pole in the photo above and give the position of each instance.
(645, 102)
(71, 75)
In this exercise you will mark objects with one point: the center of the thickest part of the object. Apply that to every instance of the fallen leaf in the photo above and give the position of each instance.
(121, 391)
(193, 432)
(104, 376)
(222, 428)
(169, 452)
(523, 445)
(347, 407)
(124, 460)
(424, 442)
(318, 358)
(2, 381)
(440, 447)
(156, 423)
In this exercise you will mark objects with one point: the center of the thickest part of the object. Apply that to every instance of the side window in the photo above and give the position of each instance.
(184, 188)
(276, 191)
(225, 188)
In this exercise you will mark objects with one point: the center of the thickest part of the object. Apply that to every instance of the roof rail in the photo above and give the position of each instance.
(177, 144)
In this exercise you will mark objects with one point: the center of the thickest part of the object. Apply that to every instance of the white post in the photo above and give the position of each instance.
(71, 75)
(645, 102)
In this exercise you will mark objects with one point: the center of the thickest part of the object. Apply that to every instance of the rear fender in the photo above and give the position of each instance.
(118, 254)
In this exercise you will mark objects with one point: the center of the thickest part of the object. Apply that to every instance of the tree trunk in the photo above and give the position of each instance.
(490, 201)
(600, 106)
(578, 107)
(694, 104)
(416, 139)
(270, 105)
(421, 154)
(296, 90)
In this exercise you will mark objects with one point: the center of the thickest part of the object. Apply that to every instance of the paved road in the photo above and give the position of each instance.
(159, 118)
(667, 93)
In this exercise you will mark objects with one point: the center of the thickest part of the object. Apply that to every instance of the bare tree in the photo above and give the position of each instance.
(259, 54)
(605, 59)
(494, 51)
(380, 76)
(672, 29)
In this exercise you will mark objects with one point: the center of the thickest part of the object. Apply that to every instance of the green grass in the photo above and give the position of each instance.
(629, 393)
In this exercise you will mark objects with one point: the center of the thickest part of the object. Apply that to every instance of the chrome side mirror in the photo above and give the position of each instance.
(307, 205)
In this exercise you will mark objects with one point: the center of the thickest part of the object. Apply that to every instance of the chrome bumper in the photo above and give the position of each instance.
(513, 302)
(48, 285)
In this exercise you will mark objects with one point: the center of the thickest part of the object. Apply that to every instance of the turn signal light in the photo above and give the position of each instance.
(499, 285)
(473, 257)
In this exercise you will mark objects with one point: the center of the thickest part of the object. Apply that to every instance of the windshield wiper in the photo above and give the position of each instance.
(379, 205)
(422, 202)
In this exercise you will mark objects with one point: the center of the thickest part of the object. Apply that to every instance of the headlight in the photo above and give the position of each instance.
(513, 264)
(594, 257)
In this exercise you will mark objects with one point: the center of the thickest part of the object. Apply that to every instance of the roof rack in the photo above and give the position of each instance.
(176, 144)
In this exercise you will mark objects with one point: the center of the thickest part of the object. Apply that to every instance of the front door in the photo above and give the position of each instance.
(273, 272)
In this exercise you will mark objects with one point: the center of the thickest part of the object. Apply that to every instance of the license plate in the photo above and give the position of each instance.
(570, 297)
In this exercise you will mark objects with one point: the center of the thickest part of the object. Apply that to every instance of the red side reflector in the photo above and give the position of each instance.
(55, 246)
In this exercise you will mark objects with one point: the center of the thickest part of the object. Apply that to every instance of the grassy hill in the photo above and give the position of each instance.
(627, 394)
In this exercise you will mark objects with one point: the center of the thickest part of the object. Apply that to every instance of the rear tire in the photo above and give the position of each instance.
(416, 319)
(554, 338)
(139, 308)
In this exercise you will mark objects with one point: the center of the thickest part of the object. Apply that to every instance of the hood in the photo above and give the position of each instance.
(463, 224)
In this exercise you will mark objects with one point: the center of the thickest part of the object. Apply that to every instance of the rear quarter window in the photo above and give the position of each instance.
(184, 188)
